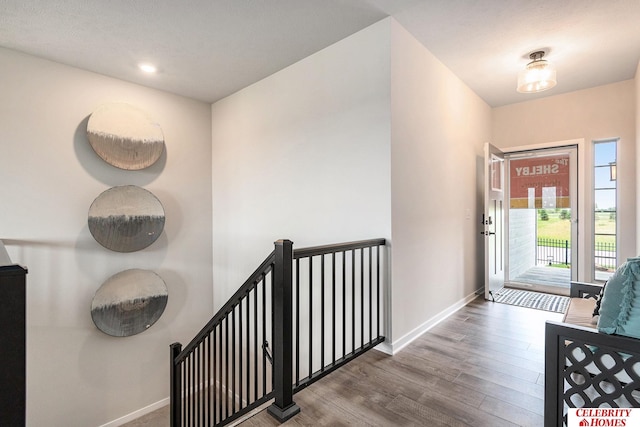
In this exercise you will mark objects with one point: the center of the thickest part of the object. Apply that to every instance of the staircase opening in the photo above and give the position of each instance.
(302, 314)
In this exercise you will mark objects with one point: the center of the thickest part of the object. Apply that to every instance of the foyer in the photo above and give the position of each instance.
(481, 367)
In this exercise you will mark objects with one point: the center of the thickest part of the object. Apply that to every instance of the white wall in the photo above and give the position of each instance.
(592, 114)
(637, 118)
(78, 376)
(522, 241)
(371, 137)
(303, 155)
(438, 129)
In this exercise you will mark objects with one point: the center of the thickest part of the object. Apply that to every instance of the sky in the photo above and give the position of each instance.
(605, 194)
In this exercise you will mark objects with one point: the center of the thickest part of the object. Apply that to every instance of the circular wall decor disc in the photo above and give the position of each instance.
(125, 136)
(126, 218)
(129, 302)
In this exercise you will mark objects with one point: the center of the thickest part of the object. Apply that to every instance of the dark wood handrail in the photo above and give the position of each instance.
(339, 247)
(195, 366)
(247, 287)
(266, 267)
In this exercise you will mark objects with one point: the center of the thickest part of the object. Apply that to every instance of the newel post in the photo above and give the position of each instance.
(284, 407)
(175, 394)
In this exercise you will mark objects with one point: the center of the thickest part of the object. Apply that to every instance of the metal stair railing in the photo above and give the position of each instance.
(244, 356)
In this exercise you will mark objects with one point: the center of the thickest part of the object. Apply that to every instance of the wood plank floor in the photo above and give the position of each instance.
(483, 366)
(554, 277)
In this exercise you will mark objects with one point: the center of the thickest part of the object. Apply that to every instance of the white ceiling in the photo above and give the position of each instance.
(208, 49)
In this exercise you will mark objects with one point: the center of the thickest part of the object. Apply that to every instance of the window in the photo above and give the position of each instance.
(605, 209)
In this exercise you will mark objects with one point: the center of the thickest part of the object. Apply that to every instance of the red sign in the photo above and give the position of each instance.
(541, 182)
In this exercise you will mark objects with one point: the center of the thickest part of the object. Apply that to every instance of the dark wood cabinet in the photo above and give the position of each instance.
(13, 345)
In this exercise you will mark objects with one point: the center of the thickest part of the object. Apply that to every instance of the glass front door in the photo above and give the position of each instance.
(541, 219)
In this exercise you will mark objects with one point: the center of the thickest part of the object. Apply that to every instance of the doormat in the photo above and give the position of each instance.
(537, 300)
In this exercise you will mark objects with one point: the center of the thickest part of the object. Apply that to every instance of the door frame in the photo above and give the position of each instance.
(583, 241)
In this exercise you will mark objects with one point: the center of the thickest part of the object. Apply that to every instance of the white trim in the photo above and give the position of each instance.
(396, 346)
(148, 409)
(137, 414)
(544, 145)
(385, 347)
(250, 414)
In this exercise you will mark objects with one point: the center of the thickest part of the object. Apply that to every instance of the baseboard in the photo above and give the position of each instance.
(137, 414)
(400, 343)
(256, 411)
(147, 409)
(385, 347)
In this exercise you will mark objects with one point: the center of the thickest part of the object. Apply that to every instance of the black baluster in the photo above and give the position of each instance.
(370, 296)
(378, 288)
(333, 306)
(310, 316)
(361, 297)
(248, 348)
(353, 301)
(255, 342)
(215, 372)
(264, 334)
(322, 312)
(344, 303)
(226, 367)
(297, 322)
(233, 360)
(176, 385)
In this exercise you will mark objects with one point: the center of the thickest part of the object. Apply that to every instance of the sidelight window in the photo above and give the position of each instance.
(605, 209)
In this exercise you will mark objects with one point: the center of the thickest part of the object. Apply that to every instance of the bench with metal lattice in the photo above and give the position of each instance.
(585, 368)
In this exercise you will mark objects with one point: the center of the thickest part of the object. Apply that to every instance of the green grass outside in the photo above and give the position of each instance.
(560, 229)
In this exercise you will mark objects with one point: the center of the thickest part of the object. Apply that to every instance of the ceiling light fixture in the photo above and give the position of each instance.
(148, 68)
(538, 75)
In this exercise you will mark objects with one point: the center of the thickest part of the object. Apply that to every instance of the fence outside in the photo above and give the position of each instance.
(605, 256)
(553, 251)
(557, 251)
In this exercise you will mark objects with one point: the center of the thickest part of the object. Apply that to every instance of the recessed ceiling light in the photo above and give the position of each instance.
(148, 68)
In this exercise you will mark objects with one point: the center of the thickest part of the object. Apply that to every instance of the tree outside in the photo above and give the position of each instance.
(555, 225)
